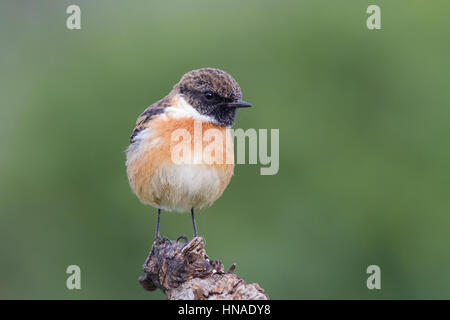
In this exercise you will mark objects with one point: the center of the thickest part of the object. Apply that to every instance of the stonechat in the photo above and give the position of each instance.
(207, 96)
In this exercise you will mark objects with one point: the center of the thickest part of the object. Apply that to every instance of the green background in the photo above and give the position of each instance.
(364, 144)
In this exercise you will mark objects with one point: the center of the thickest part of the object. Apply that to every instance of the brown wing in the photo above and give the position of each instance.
(147, 115)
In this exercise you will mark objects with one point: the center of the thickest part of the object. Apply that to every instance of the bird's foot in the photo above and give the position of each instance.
(154, 252)
(184, 237)
(158, 240)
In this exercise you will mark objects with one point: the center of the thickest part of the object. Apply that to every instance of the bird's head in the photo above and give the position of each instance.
(213, 93)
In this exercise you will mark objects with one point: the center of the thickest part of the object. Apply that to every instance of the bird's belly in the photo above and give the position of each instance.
(182, 187)
(159, 182)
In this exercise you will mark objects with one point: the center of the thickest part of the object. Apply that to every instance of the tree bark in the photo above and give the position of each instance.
(183, 271)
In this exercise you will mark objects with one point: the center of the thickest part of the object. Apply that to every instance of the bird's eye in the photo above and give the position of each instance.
(208, 95)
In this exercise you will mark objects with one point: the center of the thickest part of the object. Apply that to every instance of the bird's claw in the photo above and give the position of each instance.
(158, 240)
(184, 237)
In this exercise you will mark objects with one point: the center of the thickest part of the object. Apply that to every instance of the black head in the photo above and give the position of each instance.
(213, 93)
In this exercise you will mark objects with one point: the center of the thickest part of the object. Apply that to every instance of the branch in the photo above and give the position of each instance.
(183, 271)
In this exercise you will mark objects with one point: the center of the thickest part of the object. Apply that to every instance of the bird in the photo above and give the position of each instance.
(207, 96)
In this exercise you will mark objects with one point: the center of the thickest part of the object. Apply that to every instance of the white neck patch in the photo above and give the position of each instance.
(184, 109)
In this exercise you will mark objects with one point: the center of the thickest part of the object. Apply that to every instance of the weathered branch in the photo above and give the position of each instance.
(183, 271)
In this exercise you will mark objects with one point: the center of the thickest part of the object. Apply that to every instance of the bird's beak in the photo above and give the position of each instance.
(239, 104)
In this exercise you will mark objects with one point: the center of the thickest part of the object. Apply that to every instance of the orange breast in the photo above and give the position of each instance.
(159, 181)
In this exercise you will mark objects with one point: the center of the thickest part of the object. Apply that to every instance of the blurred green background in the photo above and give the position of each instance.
(364, 144)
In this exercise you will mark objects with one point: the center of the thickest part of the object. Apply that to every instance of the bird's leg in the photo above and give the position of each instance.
(157, 240)
(193, 222)
(157, 236)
